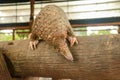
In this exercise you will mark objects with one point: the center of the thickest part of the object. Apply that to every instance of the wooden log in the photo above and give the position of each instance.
(96, 58)
(27, 78)
(31, 78)
(4, 73)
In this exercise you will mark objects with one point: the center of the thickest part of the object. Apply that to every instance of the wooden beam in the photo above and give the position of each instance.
(96, 58)
(23, 32)
(73, 25)
(109, 20)
(16, 27)
(96, 24)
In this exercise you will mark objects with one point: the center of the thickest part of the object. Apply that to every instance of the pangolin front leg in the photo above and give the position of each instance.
(34, 40)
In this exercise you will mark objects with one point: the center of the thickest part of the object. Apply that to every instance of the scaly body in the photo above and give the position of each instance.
(52, 25)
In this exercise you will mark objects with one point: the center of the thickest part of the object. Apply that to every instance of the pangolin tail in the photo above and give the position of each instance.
(64, 50)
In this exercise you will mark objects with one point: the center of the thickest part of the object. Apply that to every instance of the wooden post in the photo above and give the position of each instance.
(13, 35)
(4, 73)
(31, 13)
(96, 58)
(118, 29)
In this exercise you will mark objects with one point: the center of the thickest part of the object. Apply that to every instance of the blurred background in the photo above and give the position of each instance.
(87, 17)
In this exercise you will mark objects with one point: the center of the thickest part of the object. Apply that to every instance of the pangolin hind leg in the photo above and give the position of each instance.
(72, 40)
(34, 40)
(71, 37)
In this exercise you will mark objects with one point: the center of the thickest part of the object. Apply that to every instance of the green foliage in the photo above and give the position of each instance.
(100, 32)
(81, 31)
(5, 37)
(23, 34)
(8, 36)
(104, 32)
(19, 34)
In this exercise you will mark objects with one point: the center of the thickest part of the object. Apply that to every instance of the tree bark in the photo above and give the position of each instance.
(96, 58)
(4, 73)
(27, 78)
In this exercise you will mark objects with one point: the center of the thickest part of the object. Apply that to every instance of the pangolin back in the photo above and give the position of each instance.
(52, 25)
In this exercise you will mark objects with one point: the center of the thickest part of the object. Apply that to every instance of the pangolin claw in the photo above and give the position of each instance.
(33, 44)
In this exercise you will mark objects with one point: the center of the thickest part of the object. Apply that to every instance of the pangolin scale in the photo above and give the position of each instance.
(52, 25)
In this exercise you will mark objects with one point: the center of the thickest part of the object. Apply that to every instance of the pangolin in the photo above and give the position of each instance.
(52, 25)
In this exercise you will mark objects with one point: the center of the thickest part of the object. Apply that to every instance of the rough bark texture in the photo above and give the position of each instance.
(4, 73)
(27, 78)
(96, 58)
